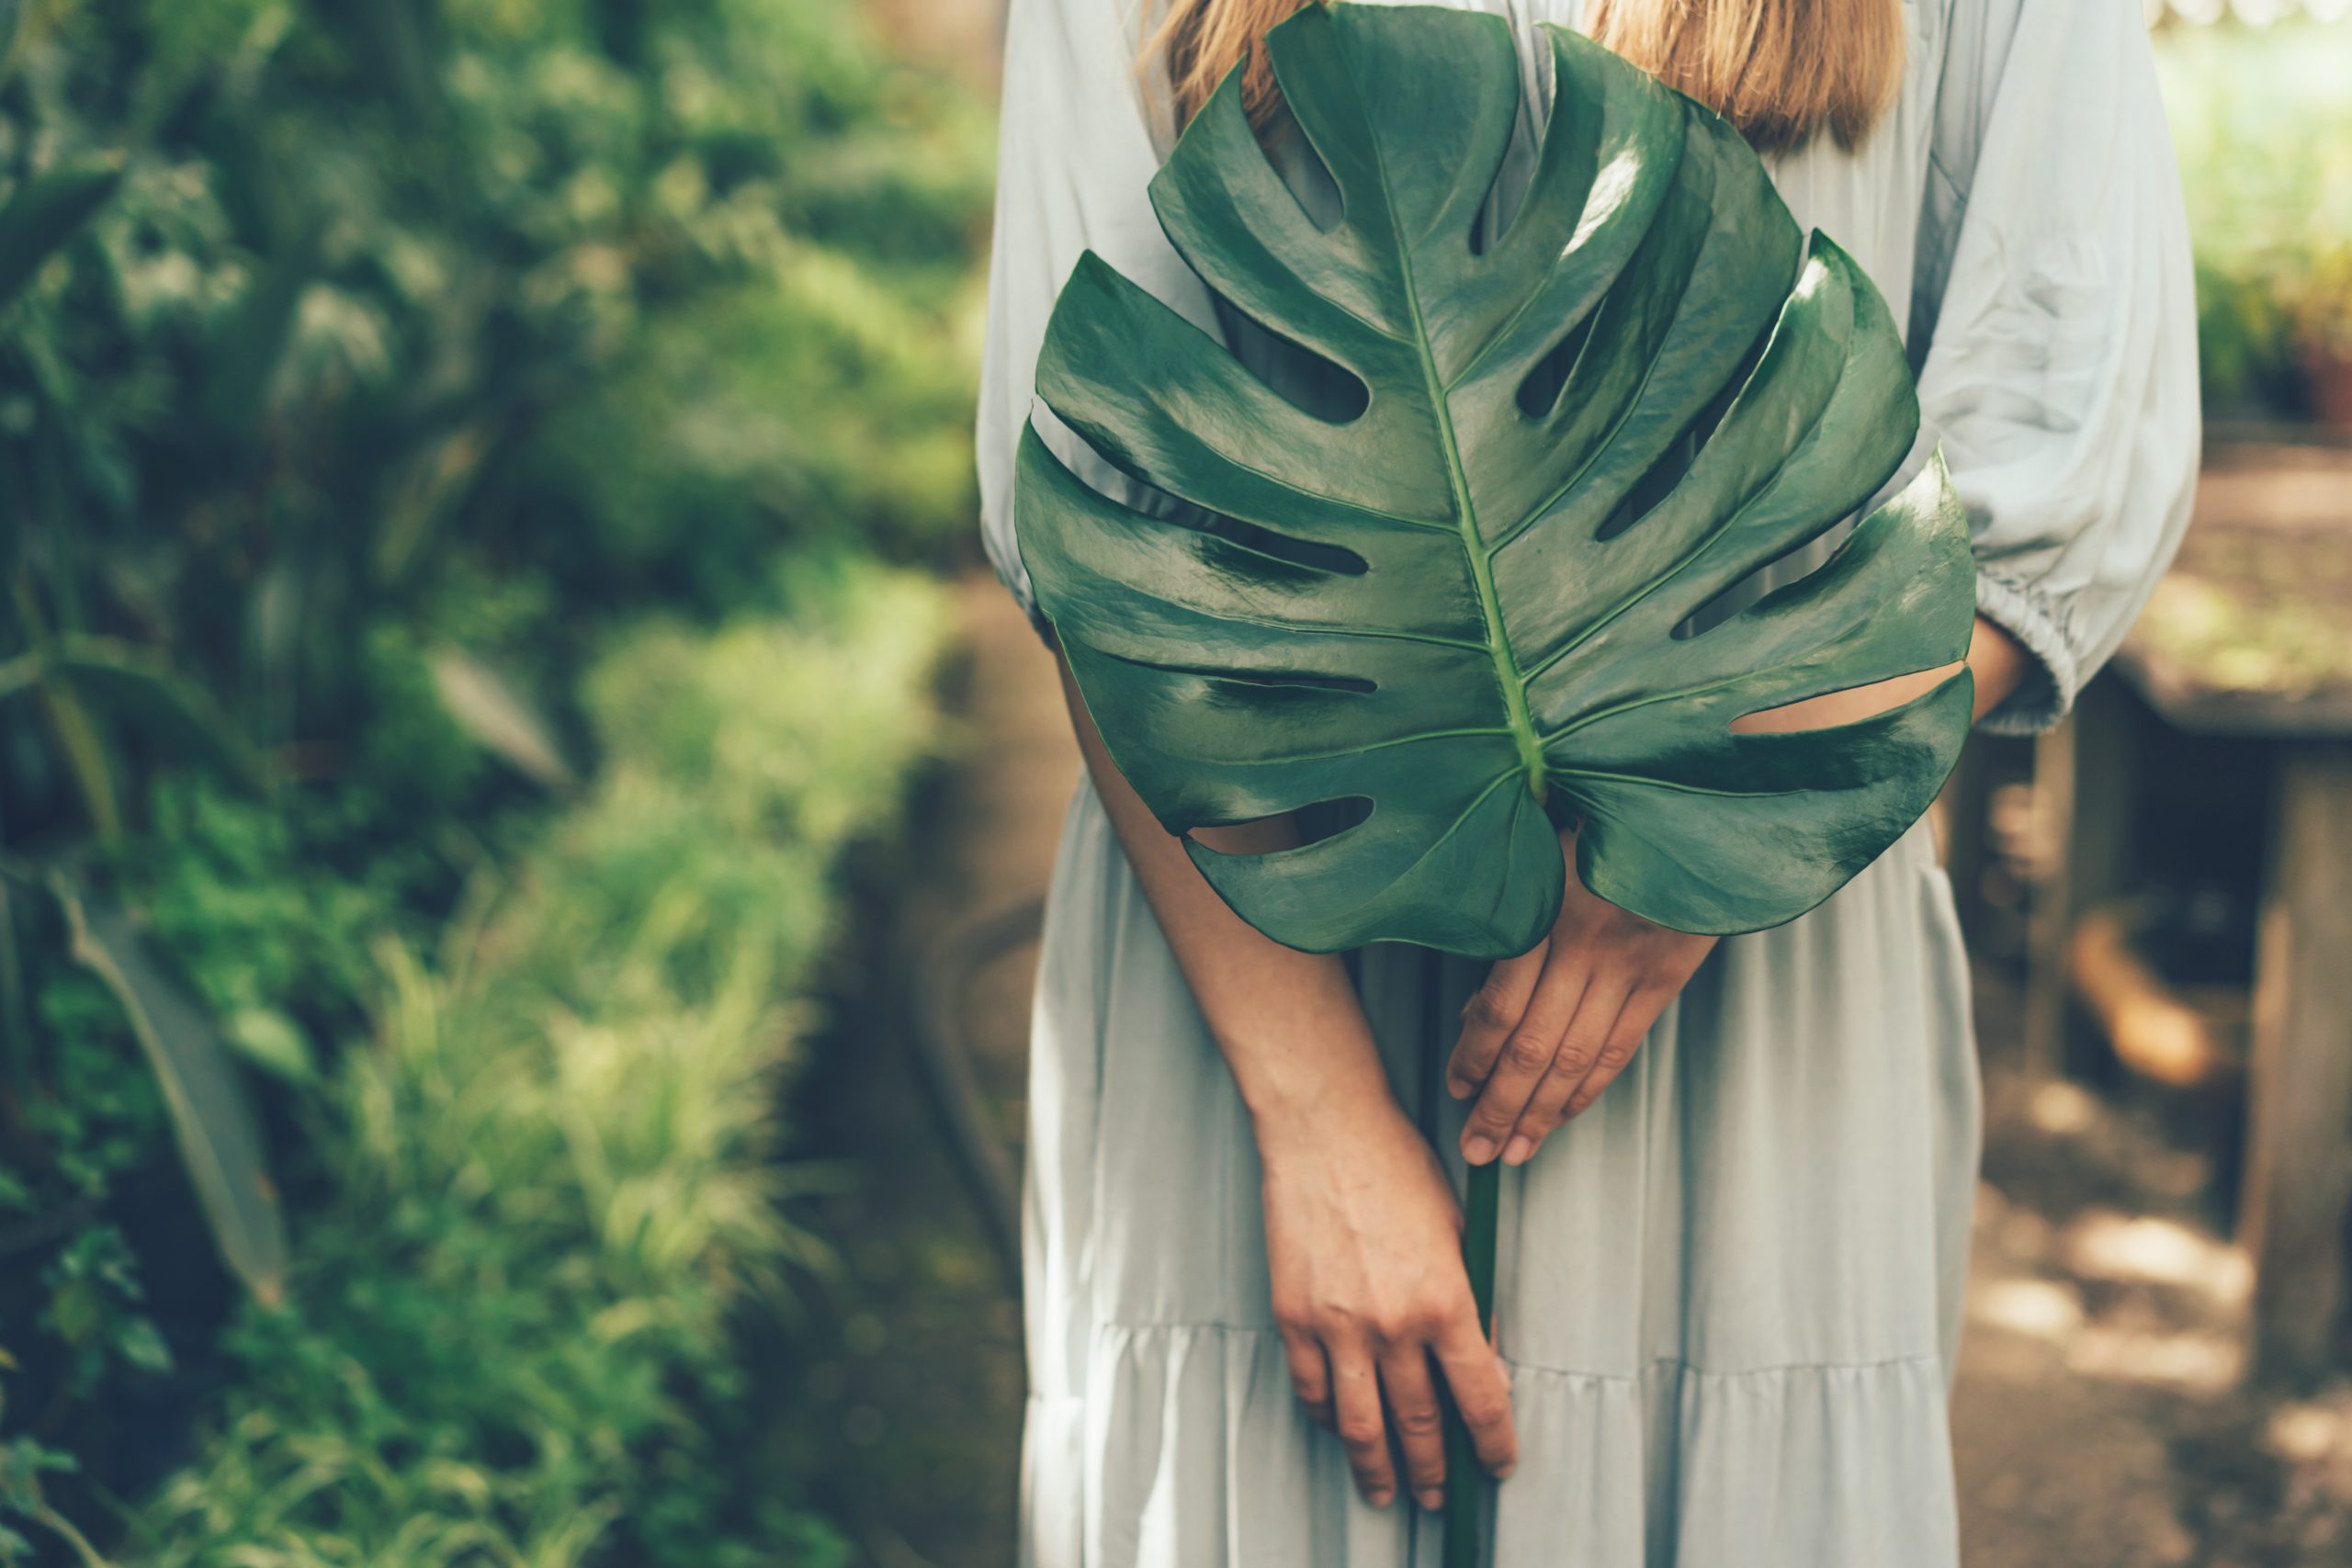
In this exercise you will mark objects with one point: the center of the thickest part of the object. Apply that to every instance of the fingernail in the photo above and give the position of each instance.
(1433, 1499)
(1517, 1151)
(1478, 1149)
(1459, 1088)
(1378, 1499)
(1502, 1471)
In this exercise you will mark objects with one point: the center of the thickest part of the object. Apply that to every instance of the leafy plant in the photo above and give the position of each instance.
(211, 1120)
(555, 1159)
(1449, 578)
(23, 1462)
(1460, 605)
(367, 370)
(47, 212)
(2264, 134)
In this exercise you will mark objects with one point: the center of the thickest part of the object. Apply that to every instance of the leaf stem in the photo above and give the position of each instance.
(1465, 1479)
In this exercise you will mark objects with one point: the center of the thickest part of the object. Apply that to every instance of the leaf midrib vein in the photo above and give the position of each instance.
(1512, 685)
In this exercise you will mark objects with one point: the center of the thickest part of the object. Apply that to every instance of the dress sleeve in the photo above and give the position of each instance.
(2056, 305)
(1076, 152)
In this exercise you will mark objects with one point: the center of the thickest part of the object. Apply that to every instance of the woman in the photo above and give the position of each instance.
(1728, 1295)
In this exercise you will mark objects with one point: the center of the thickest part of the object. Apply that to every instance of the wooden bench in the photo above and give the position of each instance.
(2250, 636)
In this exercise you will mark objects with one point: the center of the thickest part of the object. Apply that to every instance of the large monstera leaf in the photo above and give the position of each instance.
(1465, 609)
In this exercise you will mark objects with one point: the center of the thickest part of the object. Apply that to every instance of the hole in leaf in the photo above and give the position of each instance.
(1288, 831)
(1265, 688)
(1654, 486)
(1302, 170)
(1316, 386)
(1308, 553)
(1848, 704)
(1792, 566)
(1675, 463)
(1270, 681)
(1540, 391)
(1123, 489)
(1514, 172)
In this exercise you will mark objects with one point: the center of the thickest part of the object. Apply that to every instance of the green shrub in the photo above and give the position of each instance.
(507, 1337)
(368, 369)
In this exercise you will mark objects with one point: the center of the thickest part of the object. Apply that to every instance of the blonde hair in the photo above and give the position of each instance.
(1199, 40)
(1779, 70)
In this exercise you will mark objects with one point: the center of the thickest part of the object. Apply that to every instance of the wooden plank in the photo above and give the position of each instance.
(2298, 1189)
(2168, 690)
(1964, 810)
(2086, 774)
(2051, 917)
(2246, 634)
(2103, 843)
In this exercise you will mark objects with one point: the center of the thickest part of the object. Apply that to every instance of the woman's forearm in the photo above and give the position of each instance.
(1999, 662)
(1288, 1022)
(1370, 1294)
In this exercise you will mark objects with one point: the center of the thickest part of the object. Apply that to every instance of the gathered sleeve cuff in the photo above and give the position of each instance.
(2056, 308)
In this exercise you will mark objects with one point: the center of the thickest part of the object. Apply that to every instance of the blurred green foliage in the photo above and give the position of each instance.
(508, 1338)
(2263, 125)
(368, 371)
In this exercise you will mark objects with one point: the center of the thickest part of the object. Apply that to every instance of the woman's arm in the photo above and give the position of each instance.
(1287, 1021)
(1363, 1233)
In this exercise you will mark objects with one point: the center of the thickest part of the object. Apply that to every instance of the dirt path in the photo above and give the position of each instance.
(898, 1382)
(2095, 1423)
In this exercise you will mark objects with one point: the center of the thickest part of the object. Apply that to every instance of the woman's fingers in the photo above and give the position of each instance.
(1310, 1375)
(1481, 1390)
(1624, 1038)
(1587, 1046)
(1526, 1056)
(1419, 1420)
(1493, 1011)
(1355, 1402)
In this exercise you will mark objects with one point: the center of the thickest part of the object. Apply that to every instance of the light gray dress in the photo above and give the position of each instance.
(1728, 1295)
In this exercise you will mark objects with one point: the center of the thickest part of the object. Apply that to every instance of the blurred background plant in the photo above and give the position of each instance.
(2263, 125)
(449, 454)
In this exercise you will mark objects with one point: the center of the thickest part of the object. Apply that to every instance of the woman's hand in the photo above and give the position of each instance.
(1365, 1242)
(1554, 1027)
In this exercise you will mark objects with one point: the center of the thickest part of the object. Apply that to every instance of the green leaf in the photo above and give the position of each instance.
(156, 702)
(253, 343)
(211, 1120)
(497, 718)
(141, 1344)
(272, 1042)
(45, 214)
(1459, 607)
